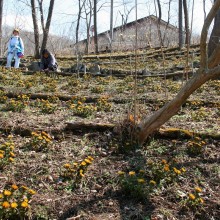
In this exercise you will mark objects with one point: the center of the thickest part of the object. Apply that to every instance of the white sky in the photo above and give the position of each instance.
(65, 14)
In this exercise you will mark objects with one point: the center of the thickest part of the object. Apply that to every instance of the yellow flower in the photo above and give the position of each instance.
(201, 200)
(164, 161)
(191, 196)
(83, 163)
(67, 165)
(90, 158)
(81, 173)
(34, 133)
(152, 182)
(10, 136)
(2, 152)
(14, 205)
(31, 191)
(176, 171)
(11, 159)
(24, 204)
(5, 204)
(131, 173)
(75, 164)
(24, 187)
(141, 171)
(183, 170)
(88, 161)
(121, 173)
(1, 156)
(14, 187)
(7, 192)
(12, 154)
(166, 167)
(1, 195)
(141, 180)
(198, 189)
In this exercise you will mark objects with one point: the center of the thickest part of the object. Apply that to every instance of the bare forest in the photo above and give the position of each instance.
(127, 128)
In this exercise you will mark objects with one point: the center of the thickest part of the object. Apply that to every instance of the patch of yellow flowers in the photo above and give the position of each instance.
(15, 201)
(7, 154)
(76, 171)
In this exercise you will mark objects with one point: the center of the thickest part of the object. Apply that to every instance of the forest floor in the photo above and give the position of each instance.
(64, 143)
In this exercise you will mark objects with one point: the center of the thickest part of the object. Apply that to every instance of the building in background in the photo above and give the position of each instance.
(124, 36)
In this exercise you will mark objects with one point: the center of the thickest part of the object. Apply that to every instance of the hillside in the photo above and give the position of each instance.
(65, 150)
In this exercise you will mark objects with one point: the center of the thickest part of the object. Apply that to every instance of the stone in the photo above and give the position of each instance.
(35, 66)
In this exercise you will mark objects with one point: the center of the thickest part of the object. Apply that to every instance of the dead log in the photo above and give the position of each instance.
(82, 125)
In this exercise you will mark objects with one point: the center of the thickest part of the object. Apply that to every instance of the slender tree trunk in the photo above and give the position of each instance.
(36, 30)
(209, 69)
(111, 24)
(1, 15)
(77, 24)
(95, 27)
(180, 24)
(47, 26)
(186, 15)
(40, 3)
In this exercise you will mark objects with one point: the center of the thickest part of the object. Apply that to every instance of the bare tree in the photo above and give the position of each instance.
(47, 26)
(1, 14)
(215, 35)
(88, 9)
(95, 27)
(209, 69)
(36, 30)
(78, 22)
(186, 16)
(180, 24)
(40, 3)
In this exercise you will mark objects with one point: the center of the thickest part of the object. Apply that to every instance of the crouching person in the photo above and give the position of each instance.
(48, 62)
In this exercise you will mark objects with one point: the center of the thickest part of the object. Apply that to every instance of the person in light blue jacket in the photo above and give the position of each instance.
(15, 49)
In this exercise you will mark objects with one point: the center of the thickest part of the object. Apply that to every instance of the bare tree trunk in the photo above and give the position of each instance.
(215, 35)
(78, 22)
(40, 3)
(36, 30)
(47, 26)
(152, 123)
(88, 23)
(1, 14)
(95, 27)
(158, 22)
(186, 21)
(180, 24)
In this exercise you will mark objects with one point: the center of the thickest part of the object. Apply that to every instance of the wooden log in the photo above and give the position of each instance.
(82, 125)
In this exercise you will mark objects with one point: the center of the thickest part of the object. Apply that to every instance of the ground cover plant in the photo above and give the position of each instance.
(60, 158)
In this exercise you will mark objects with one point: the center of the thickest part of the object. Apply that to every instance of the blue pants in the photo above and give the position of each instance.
(10, 57)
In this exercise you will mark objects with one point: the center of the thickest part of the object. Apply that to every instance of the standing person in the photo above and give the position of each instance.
(48, 61)
(15, 49)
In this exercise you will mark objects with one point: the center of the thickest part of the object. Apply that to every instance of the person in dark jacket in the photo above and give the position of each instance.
(48, 61)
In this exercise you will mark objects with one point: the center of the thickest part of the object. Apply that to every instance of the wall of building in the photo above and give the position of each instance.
(125, 37)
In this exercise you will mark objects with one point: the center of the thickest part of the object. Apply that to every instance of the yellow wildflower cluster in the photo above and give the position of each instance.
(82, 110)
(76, 170)
(163, 170)
(7, 154)
(3, 97)
(195, 199)
(103, 104)
(97, 89)
(47, 107)
(195, 146)
(15, 201)
(39, 141)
